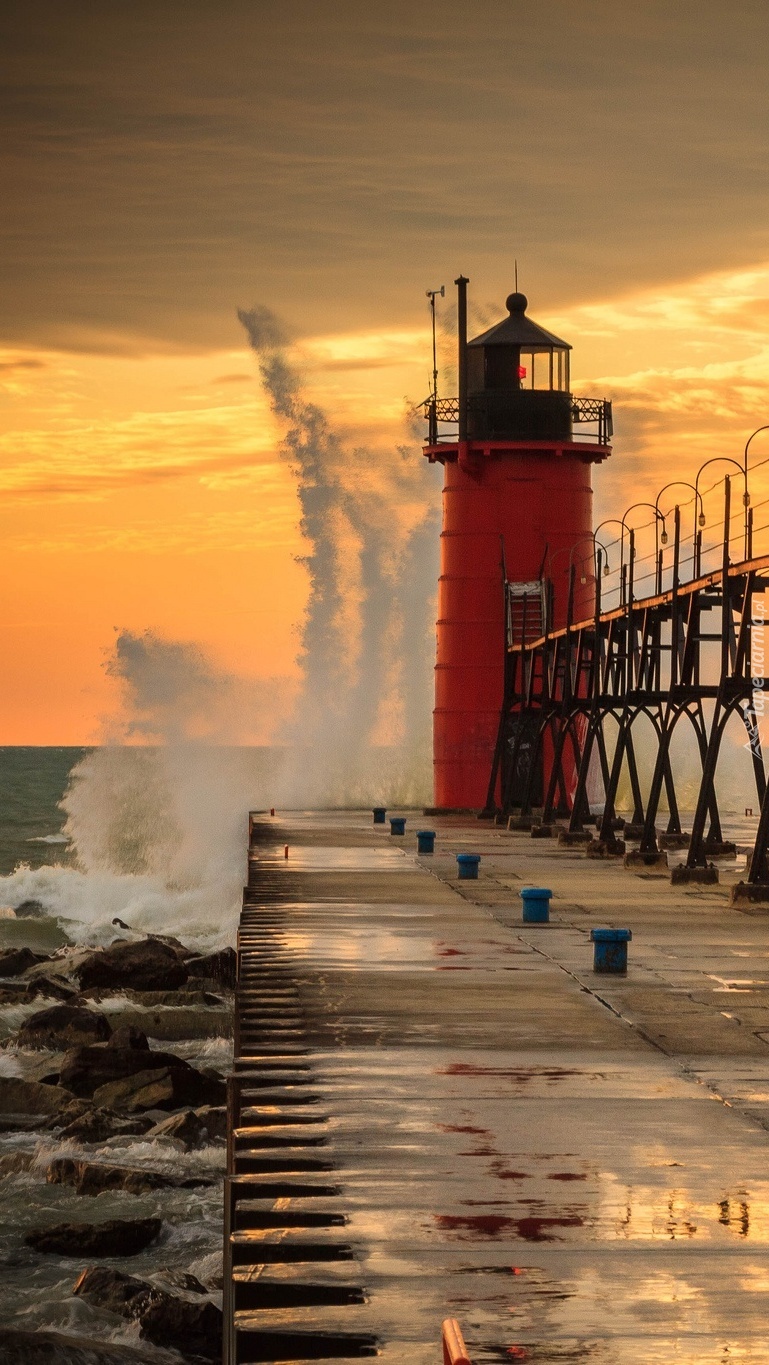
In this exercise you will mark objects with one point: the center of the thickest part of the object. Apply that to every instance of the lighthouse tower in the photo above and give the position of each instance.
(517, 517)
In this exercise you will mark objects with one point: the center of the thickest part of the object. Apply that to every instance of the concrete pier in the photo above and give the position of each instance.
(439, 1111)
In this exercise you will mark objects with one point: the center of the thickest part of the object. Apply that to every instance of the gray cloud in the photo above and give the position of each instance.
(12, 366)
(163, 161)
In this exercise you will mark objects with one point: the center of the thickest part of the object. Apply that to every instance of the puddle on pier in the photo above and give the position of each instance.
(457, 1128)
(317, 858)
(363, 944)
(736, 985)
(521, 1076)
(532, 1228)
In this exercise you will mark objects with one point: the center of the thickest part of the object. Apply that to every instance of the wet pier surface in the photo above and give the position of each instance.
(442, 1112)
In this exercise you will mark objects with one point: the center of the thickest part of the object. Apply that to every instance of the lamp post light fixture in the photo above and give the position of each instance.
(698, 520)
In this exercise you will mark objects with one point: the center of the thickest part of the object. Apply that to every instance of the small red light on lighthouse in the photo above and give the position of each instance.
(521, 371)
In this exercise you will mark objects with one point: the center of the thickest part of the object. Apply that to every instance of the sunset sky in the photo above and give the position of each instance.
(167, 162)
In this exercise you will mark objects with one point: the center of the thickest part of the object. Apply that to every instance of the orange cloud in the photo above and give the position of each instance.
(135, 494)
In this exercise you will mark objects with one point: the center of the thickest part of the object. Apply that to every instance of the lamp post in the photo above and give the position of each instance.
(698, 520)
(743, 468)
(594, 541)
(747, 445)
(615, 521)
(592, 538)
(748, 529)
(658, 517)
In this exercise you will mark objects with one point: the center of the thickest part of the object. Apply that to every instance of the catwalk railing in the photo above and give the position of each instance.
(575, 699)
(595, 413)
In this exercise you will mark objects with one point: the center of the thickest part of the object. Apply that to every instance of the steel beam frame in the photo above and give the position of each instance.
(579, 693)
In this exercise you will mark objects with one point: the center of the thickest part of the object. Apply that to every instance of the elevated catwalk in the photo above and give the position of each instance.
(438, 1111)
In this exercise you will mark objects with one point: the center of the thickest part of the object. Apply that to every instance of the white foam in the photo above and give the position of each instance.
(204, 916)
(215, 1052)
(12, 1016)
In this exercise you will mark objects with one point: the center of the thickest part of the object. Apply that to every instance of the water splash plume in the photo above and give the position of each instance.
(371, 520)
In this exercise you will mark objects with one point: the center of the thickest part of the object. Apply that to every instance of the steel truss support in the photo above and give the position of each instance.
(579, 692)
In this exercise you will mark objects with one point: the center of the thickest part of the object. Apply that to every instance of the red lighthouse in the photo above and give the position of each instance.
(517, 511)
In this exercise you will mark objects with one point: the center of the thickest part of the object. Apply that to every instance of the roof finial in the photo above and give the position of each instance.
(516, 276)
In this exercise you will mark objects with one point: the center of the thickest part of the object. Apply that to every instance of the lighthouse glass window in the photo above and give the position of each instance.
(539, 370)
(542, 377)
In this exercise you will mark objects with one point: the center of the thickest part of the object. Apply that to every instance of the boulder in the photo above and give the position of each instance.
(18, 1096)
(60, 967)
(219, 967)
(94, 1177)
(174, 943)
(97, 1125)
(62, 1027)
(14, 1163)
(128, 1035)
(112, 1290)
(86, 1069)
(214, 1121)
(152, 1089)
(192, 1328)
(13, 993)
(178, 1279)
(185, 1128)
(151, 965)
(50, 988)
(14, 961)
(117, 1237)
(161, 1088)
(73, 1109)
(58, 1348)
(155, 938)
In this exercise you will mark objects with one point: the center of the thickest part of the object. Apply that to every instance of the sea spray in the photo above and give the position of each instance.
(370, 520)
(159, 829)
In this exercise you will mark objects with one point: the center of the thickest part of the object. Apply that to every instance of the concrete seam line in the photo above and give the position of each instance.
(682, 1067)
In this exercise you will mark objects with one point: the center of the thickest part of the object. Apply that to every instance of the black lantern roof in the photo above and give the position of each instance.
(518, 330)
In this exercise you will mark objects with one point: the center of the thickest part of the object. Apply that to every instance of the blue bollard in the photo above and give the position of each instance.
(398, 824)
(379, 814)
(610, 950)
(425, 841)
(468, 866)
(536, 904)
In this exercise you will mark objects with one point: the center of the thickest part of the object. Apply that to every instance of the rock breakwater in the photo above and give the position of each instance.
(112, 1092)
